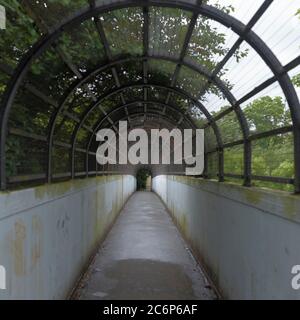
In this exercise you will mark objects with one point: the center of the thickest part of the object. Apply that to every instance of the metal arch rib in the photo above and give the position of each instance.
(206, 10)
(98, 125)
(171, 89)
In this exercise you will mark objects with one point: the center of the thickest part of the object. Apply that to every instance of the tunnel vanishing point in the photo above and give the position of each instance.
(74, 228)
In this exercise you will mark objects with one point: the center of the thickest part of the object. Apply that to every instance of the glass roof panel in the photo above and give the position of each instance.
(210, 42)
(59, 76)
(180, 101)
(123, 29)
(239, 9)
(19, 34)
(82, 44)
(230, 128)
(190, 81)
(214, 100)
(30, 114)
(167, 30)
(245, 73)
(280, 29)
(52, 12)
(197, 116)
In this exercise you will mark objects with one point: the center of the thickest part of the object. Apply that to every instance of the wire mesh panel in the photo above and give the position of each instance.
(93, 118)
(80, 161)
(234, 160)
(82, 138)
(273, 156)
(64, 129)
(60, 160)
(30, 113)
(25, 156)
(210, 139)
(212, 165)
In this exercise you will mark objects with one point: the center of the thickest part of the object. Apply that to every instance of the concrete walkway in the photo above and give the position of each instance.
(144, 257)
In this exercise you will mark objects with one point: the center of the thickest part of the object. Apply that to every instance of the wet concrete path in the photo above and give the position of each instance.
(144, 257)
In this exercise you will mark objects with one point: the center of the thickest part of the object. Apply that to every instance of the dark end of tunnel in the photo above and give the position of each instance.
(143, 178)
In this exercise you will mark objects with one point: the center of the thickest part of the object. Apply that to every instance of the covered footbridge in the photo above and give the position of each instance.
(69, 68)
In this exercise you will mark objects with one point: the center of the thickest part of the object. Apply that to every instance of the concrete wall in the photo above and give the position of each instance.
(48, 233)
(248, 239)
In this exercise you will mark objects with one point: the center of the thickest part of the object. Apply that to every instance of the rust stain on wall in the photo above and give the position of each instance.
(19, 248)
(36, 247)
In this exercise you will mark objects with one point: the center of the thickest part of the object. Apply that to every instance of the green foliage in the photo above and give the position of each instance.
(267, 113)
(124, 31)
(141, 178)
(296, 80)
(271, 156)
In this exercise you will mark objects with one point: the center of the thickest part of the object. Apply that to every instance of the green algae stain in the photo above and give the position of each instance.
(291, 206)
(61, 188)
(252, 196)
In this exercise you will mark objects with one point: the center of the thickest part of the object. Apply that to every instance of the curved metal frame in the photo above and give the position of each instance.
(171, 89)
(210, 12)
(137, 115)
(199, 69)
(98, 125)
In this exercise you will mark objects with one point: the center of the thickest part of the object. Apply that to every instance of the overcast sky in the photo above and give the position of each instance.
(279, 28)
